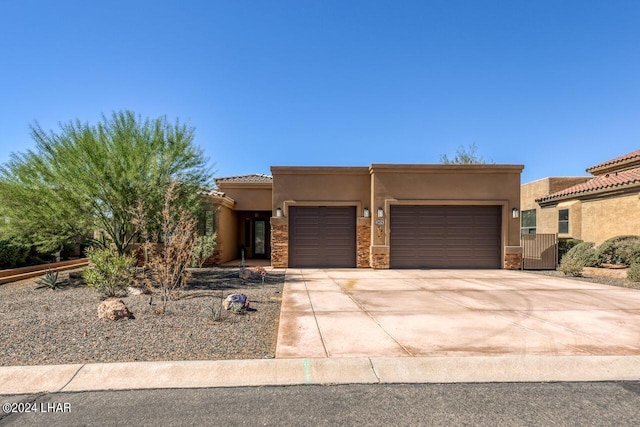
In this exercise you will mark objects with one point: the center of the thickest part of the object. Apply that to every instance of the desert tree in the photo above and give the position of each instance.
(86, 178)
(464, 156)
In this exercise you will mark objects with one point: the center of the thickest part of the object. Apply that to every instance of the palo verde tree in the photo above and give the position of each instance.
(464, 156)
(86, 177)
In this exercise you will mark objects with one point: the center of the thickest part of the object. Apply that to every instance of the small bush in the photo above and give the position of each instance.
(69, 249)
(571, 266)
(204, 248)
(108, 272)
(564, 245)
(633, 273)
(628, 251)
(13, 254)
(619, 250)
(582, 252)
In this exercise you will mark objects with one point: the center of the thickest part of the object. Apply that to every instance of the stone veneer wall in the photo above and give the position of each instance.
(379, 256)
(513, 257)
(279, 242)
(363, 242)
(379, 261)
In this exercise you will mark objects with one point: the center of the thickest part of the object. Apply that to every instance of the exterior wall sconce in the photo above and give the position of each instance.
(278, 212)
(515, 213)
(380, 212)
(365, 213)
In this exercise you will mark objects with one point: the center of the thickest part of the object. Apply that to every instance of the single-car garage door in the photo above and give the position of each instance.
(445, 236)
(322, 236)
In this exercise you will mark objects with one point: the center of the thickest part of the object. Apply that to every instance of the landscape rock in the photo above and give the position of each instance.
(235, 298)
(246, 274)
(134, 291)
(114, 309)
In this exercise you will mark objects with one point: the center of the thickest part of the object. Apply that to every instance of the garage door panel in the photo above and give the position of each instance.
(445, 236)
(322, 236)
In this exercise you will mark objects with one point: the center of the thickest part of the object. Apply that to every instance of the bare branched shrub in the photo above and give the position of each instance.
(217, 308)
(167, 254)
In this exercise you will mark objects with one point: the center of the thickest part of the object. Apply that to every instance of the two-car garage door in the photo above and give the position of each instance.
(445, 236)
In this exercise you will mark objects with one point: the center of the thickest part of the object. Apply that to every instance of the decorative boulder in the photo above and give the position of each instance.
(246, 274)
(235, 299)
(114, 309)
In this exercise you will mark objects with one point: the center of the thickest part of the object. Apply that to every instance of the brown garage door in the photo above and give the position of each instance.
(322, 236)
(445, 236)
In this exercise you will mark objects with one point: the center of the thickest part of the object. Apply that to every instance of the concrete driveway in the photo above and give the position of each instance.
(390, 313)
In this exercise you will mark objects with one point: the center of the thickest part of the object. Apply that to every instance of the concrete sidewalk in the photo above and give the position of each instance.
(239, 373)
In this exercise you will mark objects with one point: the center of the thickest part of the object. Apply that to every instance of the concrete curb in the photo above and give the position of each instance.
(243, 373)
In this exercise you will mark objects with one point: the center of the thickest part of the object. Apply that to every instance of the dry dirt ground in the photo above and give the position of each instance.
(43, 326)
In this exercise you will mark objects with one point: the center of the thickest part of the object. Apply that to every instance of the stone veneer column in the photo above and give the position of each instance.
(279, 242)
(513, 257)
(363, 242)
(379, 257)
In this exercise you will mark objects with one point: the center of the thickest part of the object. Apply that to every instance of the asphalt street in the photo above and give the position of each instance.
(512, 404)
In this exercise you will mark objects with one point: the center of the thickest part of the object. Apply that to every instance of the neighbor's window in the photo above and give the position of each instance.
(528, 224)
(563, 221)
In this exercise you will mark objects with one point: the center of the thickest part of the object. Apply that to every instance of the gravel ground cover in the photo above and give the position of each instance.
(43, 326)
(599, 275)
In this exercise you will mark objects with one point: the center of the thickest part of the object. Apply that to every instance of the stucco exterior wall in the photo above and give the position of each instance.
(575, 219)
(318, 186)
(331, 185)
(385, 185)
(227, 229)
(610, 217)
(447, 185)
(547, 217)
(248, 197)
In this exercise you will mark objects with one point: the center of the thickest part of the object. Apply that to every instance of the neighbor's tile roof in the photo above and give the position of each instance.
(611, 181)
(256, 177)
(626, 157)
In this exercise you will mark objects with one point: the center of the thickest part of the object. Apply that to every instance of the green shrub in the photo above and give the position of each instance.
(69, 249)
(13, 254)
(205, 247)
(619, 250)
(582, 252)
(108, 272)
(633, 273)
(571, 266)
(564, 245)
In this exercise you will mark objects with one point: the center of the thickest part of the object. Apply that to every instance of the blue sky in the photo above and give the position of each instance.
(553, 85)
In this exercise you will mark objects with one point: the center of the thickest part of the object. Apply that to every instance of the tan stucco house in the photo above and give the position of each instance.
(591, 208)
(380, 216)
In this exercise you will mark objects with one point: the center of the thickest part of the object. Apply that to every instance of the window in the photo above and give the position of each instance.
(206, 225)
(563, 221)
(528, 225)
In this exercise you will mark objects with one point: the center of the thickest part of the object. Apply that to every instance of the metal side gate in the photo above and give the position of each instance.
(540, 251)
